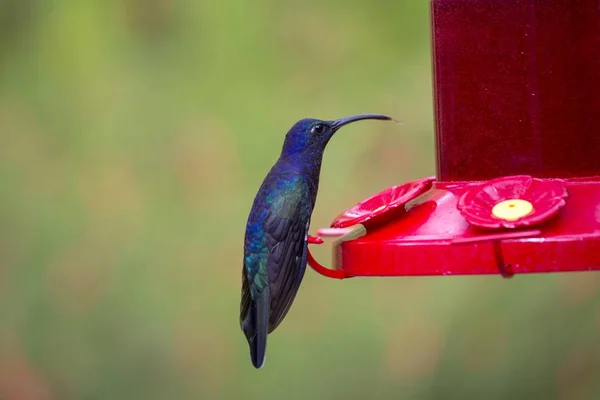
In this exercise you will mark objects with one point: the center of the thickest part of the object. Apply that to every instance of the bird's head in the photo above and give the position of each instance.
(310, 136)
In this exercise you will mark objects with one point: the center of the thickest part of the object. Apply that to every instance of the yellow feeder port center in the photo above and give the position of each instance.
(512, 210)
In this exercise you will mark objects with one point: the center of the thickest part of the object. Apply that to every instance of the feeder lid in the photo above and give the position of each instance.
(451, 230)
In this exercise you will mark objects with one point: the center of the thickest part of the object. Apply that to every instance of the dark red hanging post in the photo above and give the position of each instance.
(517, 114)
(517, 88)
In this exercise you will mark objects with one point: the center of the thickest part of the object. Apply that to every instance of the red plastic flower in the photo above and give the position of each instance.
(512, 202)
(384, 205)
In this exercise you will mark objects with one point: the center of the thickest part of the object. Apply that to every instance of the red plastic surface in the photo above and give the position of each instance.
(383, 206)
(330, 273)
(546, 195)
(517, 88)
(433, 238)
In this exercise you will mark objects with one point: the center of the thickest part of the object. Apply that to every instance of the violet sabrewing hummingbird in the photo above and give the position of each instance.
(275, 245)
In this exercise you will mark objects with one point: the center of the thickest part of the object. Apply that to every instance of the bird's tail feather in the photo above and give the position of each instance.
(256, 329)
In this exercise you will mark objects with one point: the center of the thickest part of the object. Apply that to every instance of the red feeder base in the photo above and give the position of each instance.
(434, 237)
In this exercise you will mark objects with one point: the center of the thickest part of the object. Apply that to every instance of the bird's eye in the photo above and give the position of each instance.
(317, 129)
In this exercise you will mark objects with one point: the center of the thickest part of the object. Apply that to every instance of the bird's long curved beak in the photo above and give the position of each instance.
(338, 123)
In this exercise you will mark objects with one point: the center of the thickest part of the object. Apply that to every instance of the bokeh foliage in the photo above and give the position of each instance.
(133, 135)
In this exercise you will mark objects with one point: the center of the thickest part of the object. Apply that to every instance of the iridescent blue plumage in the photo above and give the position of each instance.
(275, 244)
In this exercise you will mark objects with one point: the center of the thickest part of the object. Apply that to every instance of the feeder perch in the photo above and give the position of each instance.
(517, 116)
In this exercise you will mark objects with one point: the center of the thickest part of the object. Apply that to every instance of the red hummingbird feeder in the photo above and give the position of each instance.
(517, 115)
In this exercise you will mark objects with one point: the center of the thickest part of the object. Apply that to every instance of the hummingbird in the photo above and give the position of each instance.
(276, 239)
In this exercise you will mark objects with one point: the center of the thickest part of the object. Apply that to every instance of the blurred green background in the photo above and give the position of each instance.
(133, 136)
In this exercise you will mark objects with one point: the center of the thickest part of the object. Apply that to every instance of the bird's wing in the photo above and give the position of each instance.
(286, 228)
(246, 298)
(254, 307)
